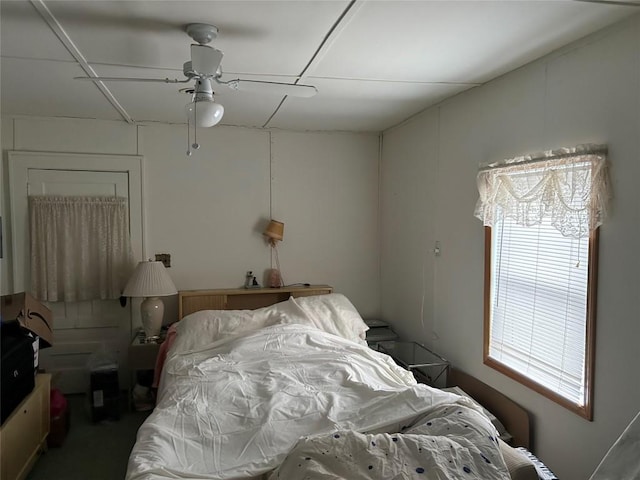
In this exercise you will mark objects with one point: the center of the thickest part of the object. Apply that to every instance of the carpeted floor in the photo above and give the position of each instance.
(90, 451)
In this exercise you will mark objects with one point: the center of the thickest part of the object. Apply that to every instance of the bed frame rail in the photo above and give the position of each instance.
(514, 418)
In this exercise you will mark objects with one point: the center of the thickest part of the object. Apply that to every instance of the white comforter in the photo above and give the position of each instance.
(238, 407)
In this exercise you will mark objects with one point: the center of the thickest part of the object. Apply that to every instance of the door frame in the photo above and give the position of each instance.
(20, 162)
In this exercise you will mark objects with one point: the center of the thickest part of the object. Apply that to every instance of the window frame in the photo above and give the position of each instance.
(586, 410)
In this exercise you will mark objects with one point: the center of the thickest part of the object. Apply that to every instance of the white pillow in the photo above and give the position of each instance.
(199, 329)
(202, 328)
(333, 313)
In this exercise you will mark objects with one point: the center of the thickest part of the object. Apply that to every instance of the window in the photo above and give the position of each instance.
(80, 247)
(541, 217)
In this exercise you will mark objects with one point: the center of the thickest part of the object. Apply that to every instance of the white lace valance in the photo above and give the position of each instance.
(80, 247)
(570, 186)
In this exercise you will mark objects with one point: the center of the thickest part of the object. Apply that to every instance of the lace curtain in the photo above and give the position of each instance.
(570, 186)
(80, 247)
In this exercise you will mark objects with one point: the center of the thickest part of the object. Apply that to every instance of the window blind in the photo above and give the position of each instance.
(539, 304)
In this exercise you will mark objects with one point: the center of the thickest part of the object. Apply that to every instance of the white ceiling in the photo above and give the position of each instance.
(375, 63)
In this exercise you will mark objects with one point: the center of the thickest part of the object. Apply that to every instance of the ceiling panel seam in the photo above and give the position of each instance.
(62, 35)
(344, 18)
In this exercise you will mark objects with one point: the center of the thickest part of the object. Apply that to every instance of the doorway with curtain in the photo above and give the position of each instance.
(85, 322)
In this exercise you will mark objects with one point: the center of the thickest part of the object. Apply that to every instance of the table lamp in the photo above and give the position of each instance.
(150, 280)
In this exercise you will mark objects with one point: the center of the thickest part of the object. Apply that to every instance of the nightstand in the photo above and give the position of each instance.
(379, 331)
(426, 366)
(142, 356)
(142, 363)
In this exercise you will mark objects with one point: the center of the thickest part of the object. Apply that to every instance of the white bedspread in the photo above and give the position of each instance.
(452, 442)
(237, 408)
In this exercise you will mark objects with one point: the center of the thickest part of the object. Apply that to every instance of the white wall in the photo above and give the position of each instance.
(325, 189)
(208, 210)
(586, 93)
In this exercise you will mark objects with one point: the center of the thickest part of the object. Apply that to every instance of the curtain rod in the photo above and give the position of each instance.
(546, 156)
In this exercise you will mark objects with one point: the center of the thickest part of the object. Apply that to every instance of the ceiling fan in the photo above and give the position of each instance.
(204, 68)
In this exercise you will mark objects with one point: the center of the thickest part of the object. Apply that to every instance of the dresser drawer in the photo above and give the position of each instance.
(24, 432)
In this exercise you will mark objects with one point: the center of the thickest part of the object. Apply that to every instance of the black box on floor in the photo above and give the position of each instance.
(104, 395)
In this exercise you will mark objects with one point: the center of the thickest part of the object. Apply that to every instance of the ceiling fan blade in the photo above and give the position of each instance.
(132, 79)
(205, 60)
(272, 88)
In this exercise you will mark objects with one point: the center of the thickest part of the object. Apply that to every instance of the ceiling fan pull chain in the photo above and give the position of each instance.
(188, 136)
(195, 145)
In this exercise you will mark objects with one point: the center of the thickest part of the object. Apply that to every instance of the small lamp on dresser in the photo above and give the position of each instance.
(151, 281)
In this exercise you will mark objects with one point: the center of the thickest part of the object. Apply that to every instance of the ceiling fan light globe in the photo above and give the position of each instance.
(205, 114)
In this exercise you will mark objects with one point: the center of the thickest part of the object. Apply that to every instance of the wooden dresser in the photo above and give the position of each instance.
(242, 298)
(24, 435)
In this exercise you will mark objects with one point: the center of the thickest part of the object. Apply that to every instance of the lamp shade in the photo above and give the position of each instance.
(274, 231)
(149, 279)
(204, 113)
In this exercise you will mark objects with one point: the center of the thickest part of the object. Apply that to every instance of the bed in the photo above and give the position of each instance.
(292, 391)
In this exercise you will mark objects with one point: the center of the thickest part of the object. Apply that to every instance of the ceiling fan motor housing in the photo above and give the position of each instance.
(203, 90)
